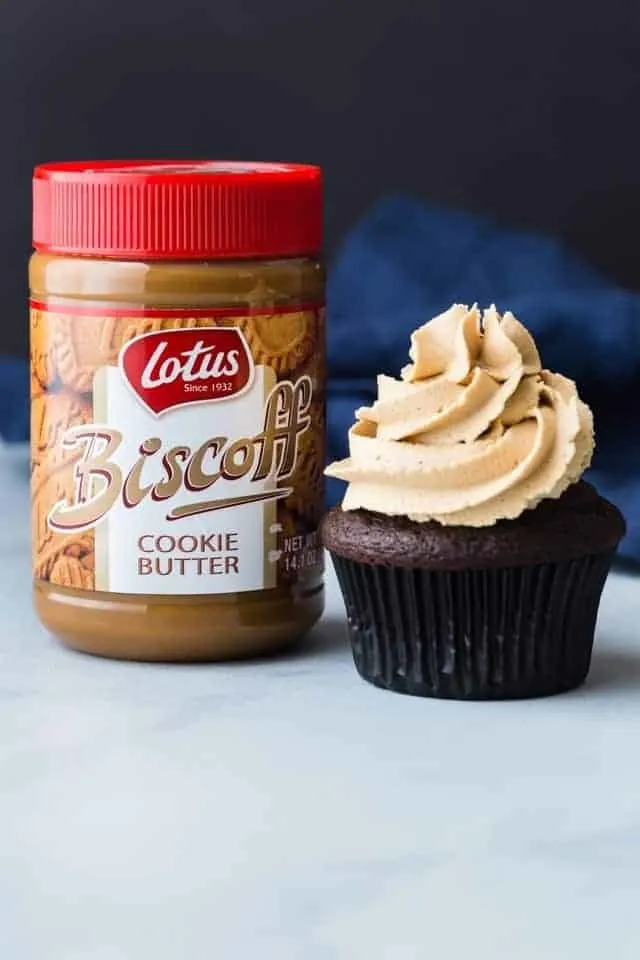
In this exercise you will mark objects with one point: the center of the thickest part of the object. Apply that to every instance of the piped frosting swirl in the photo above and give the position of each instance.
(475, 430)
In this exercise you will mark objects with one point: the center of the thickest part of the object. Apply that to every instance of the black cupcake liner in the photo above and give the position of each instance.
(489, 634)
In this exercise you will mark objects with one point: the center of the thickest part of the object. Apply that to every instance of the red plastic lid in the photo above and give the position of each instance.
(177, 210)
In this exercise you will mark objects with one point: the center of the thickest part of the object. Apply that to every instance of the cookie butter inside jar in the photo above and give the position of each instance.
(177, 391)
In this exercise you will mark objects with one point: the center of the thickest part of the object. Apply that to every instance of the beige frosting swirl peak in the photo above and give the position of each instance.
(474, 432)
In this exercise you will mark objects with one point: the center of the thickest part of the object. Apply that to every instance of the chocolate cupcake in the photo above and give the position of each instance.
(470, 554)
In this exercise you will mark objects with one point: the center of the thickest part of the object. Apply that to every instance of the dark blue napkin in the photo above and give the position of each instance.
(408, 261)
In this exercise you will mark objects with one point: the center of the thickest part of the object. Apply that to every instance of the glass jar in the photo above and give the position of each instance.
(178, 390)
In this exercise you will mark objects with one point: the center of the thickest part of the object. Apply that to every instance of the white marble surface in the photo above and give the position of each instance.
(285, 810)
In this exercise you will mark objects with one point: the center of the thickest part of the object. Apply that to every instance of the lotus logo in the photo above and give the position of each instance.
(170, 368)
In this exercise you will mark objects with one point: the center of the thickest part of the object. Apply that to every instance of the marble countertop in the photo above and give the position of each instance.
(285, 810)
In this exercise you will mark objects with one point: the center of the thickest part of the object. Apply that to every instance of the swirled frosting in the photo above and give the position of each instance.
(475, 430)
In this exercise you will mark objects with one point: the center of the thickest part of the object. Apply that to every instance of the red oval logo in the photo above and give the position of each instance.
(170, 368)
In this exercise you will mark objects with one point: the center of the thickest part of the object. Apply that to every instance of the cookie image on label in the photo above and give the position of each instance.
(36, 388)
(68, 571)
(306, 500)
(80, 345)
(280, 340)
(74, 564)
(51, 415)
(52, 476)
(49, 545)
(314, 368)
(139, 326)
(81, 547)
(43, 367)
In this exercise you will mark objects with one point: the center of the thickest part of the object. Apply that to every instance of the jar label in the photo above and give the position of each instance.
(174, 451)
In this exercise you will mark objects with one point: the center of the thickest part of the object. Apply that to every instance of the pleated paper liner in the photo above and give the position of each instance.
(474, 635)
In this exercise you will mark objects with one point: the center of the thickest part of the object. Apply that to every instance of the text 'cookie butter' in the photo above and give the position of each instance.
(178, 391)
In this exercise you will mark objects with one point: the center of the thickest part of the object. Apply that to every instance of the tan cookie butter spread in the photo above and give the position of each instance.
(475, 430)
(177, 377)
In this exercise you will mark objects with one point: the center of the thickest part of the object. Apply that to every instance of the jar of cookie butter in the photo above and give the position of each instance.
(178, 377)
